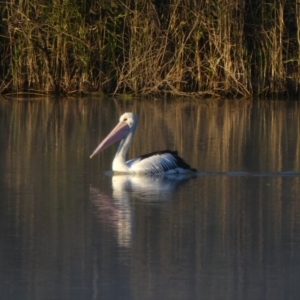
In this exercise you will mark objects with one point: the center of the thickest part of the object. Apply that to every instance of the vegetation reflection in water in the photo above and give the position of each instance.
(62, 213)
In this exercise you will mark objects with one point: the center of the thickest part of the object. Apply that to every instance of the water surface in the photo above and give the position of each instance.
(72, 230)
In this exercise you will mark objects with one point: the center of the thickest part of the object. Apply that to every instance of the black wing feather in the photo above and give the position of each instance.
(179, 161)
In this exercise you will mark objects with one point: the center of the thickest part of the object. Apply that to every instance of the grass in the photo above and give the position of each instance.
(178, 47)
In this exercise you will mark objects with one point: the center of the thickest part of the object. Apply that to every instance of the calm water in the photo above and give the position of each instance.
(71, 230)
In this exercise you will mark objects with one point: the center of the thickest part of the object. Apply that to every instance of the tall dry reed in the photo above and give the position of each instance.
(143, 47)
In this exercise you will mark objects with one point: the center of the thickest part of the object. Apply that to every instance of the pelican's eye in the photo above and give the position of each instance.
(125, 120)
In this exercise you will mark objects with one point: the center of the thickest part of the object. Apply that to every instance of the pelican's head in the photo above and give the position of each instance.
(130, 118)
(127, 124)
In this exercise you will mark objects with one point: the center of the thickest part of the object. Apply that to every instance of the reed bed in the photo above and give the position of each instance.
(179, 47)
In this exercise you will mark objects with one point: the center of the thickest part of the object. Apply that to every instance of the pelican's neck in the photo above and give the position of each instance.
(119, 163)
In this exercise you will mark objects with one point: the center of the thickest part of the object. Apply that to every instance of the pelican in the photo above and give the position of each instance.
(160, 162)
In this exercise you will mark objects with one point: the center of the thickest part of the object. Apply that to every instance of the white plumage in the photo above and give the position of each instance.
(160, 162)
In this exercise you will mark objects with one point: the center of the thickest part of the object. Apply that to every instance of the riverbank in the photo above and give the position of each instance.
(220, 48)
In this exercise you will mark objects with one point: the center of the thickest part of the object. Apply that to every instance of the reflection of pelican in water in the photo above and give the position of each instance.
(155, 188)
(167, 162)
(116, 210)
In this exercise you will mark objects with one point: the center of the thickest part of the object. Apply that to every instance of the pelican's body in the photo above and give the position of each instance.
(161, 162)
